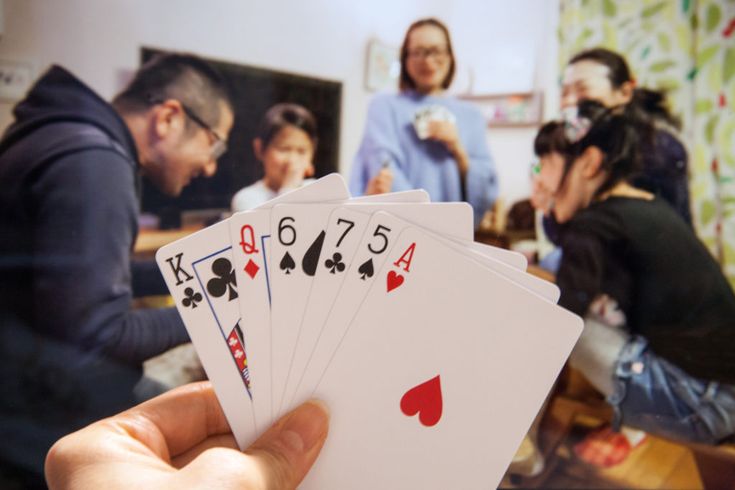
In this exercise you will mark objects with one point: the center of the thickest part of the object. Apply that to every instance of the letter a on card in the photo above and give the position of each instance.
(395, 279)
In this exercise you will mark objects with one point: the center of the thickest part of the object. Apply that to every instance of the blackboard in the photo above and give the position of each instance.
(254, 91)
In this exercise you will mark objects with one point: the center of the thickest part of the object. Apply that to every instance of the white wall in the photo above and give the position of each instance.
(505, 45)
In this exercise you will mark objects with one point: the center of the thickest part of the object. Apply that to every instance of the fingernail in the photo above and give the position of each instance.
(306, 426)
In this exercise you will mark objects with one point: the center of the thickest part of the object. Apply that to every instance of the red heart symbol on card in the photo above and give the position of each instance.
(394, 280)
(425, 400)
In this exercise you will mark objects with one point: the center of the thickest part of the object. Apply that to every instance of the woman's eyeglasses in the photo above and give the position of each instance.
(437, 53)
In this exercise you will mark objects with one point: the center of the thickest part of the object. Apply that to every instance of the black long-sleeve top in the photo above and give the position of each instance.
(672, 291)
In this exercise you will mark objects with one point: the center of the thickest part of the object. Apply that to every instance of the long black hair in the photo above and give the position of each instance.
(650, 103)
(618, 132)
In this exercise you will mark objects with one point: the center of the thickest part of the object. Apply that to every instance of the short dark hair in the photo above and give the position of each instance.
(619, 133)
(282, 115)
(551, 139)
(184, 77)
(405, 82)
(649, 102)
(618, 70)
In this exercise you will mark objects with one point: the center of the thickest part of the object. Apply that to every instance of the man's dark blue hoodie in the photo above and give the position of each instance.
(71, 348)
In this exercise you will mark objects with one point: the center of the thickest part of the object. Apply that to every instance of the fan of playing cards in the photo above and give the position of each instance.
(433, 353)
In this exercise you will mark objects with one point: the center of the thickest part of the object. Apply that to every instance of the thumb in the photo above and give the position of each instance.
(286, 452)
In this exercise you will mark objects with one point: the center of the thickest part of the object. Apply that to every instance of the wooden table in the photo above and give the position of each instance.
(149, 241)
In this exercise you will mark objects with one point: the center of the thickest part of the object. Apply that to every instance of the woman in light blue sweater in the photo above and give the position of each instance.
(420, 138)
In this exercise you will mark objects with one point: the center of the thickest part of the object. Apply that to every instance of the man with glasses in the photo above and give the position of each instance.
(71, 347)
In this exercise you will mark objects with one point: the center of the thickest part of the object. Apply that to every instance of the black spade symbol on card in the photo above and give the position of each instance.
(287, 263)
(310, 262)
(224, 280)
(366, 269)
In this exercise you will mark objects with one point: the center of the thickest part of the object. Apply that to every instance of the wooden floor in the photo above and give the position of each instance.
(655, 464)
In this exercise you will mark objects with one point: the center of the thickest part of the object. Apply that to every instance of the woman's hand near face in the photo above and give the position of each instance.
(541, 197)
(545, 184)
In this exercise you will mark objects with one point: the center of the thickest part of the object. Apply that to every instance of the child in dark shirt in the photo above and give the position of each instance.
(659, 337)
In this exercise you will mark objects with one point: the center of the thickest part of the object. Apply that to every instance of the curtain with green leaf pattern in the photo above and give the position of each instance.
(688, 48)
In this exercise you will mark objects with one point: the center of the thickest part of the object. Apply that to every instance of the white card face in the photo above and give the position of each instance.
(439, 375)
(295, 250)
(250, 236)
(413, 195)
(462, 224)
(249, 232)
(445, 218)
(514, 259)
(455, 218)
(331, 187)
(486, 256)
(290, 291)
(345, 229)
(199, 273)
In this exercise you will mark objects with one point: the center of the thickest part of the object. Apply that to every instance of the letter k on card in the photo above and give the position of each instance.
(394, 279)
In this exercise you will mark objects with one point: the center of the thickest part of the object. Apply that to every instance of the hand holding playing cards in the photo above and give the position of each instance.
(357, 301)
(446, 132)
(182, 440)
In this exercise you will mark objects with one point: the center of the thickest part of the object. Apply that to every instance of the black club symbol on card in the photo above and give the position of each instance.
(224, 282)
(335, 263)
(191, 298)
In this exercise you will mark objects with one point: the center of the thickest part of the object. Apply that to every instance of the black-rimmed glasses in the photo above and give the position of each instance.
(219, 145)
(437, 53)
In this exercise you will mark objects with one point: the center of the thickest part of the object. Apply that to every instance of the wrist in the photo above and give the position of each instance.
(460, 156)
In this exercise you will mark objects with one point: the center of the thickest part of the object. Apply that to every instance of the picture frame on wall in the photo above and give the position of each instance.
(382, 67)
(523, 109)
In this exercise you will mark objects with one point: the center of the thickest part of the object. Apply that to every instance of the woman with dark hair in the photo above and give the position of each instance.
(604, 76)
(420, 138)
(659, 337)
(285, 145)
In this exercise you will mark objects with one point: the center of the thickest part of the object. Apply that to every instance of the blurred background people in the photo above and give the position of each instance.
(604, 76)
(659, 327)
(72, 347)
(285, 145)
(422, 138)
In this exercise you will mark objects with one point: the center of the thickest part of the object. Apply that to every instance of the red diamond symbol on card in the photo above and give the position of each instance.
(251, 268)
